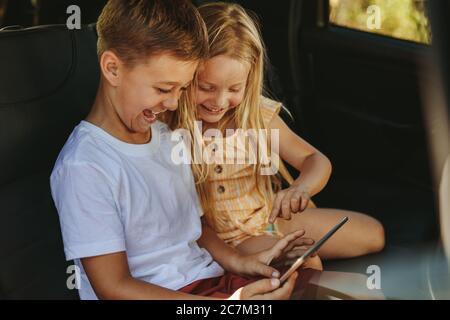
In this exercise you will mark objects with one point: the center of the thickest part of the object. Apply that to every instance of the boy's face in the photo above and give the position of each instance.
(221, 86)
(148, 89)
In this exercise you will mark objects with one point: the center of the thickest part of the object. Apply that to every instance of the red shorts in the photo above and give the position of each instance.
(224, 286)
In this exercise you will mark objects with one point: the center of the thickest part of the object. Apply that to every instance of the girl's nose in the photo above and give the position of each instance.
(220, 101)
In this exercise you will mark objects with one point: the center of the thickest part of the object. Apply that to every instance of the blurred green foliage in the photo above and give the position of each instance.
(403, 19)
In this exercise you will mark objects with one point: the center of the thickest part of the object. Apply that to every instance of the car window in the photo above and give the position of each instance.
(404, 19)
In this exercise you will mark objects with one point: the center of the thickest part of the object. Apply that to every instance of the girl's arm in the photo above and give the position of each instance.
(315, 169)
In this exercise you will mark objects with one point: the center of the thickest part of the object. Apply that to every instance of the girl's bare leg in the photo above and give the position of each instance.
(361, 235)
(324, 284)
(256, 244)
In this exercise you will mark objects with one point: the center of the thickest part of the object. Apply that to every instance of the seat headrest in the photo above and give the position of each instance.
(48, 80)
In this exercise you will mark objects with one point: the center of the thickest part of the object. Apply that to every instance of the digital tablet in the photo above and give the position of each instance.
(311, 250)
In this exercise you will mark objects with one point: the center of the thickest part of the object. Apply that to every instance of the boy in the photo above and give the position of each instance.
(130, 217)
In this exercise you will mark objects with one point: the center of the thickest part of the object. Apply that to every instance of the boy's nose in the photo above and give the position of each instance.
(171, 104)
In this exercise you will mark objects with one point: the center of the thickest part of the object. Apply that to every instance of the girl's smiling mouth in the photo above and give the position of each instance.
(214, 111)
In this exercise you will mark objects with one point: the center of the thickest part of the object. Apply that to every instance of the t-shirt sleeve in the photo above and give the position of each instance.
(89, 218)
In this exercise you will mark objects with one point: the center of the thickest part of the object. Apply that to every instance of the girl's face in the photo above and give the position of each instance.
(221, 86)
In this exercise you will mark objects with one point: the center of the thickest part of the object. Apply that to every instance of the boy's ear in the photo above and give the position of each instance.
(110, 67)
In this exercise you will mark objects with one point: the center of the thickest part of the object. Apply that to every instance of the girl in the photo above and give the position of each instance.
(241, 204)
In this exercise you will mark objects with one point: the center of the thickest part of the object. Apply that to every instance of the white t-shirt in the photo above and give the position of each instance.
(113, 196)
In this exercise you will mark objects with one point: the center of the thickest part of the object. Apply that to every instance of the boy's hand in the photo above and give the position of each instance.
(287, 201)
(259, 264)
(266, 289)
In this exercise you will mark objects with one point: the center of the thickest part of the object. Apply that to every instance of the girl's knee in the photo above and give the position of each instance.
(377, 238)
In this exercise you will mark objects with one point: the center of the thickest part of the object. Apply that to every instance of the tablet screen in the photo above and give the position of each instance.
(313, 249)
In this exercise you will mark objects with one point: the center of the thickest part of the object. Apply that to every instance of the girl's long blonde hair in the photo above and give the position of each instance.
(232, 32)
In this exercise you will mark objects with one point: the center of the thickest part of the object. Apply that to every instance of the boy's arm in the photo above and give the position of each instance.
(110, 278)
(224, 254)
(233, 261)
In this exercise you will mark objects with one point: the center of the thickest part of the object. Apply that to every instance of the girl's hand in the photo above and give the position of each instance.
(287, 248)
(259, 264)
(287, 201)
(313, 262)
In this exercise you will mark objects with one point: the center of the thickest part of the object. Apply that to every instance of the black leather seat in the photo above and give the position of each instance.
(48, 80)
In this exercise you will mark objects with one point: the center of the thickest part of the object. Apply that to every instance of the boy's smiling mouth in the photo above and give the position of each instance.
(150, 115)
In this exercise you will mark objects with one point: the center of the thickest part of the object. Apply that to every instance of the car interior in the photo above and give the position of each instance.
(367, 101)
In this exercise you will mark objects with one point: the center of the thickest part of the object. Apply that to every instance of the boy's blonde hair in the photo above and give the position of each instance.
(233, 32)
(135, 29)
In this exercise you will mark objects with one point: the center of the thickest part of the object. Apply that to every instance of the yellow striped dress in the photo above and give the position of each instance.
(239, 211)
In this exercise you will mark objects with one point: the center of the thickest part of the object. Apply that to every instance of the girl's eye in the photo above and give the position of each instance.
(207, 89)
(165, 91)
(235, 90)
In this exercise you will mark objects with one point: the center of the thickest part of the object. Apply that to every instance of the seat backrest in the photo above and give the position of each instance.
(48, 81)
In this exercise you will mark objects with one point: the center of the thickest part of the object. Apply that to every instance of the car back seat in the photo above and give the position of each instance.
(48, 81)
